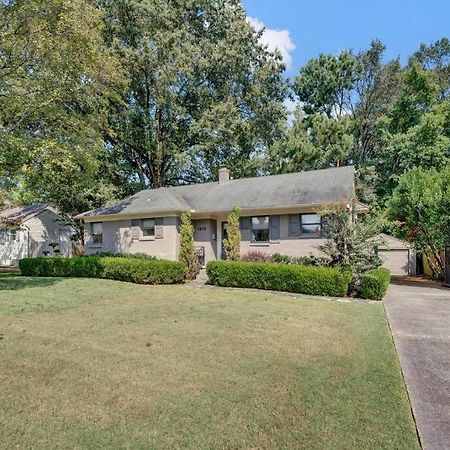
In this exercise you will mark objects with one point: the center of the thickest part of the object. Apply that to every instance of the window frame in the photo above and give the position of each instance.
(148, 236)
(253, 240)
(96, 238)
(310, 235)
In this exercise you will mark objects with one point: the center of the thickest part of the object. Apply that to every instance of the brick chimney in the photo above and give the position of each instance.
(224, 175)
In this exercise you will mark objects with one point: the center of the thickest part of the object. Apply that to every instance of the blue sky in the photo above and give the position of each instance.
(329, 26)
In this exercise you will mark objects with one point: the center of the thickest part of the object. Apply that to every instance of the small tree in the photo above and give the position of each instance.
(420, 205)
(187, 249)
(350, 244)
(232, 243)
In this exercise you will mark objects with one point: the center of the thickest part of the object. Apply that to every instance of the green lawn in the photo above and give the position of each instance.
(93, 363)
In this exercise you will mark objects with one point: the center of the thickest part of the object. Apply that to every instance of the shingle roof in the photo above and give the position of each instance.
(19, 214)
(327, 186)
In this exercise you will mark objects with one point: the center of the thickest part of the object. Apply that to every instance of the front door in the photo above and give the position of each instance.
(224, 236)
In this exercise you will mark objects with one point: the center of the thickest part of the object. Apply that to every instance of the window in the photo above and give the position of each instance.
(260, 229)
(310, 225)
(148, 227)
(97, 233)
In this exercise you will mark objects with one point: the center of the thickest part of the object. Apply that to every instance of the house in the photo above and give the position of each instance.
(29, 231)
(397, 256)
(279, 214)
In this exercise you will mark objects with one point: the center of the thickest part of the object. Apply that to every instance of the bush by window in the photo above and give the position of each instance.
(260, 229)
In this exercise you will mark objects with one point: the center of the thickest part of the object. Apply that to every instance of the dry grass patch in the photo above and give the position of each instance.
(95, 363)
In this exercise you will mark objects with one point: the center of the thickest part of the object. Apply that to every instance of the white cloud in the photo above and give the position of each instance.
(273, 38)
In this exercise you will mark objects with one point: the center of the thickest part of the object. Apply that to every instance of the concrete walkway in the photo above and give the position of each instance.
(419, 317)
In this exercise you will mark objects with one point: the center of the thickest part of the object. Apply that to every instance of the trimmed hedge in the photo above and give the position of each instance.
(279, 277)
(135, 270)
(374, 283)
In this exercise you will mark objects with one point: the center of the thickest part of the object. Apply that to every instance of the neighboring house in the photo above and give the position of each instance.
(397, 256)
(279, 214)
(28, 231)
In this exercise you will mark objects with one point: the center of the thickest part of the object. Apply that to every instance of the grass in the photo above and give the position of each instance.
(96, 363)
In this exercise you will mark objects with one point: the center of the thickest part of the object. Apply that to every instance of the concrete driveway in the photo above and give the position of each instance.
(419, 316)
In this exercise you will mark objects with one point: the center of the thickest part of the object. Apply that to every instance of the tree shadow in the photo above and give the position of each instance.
(13, 281)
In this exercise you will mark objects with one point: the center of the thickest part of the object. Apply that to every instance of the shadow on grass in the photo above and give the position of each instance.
(13, 281)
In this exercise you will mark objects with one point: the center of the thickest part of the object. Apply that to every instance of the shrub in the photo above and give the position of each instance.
(281, 259)
(232, 243)
(374, 283)
(136, 270)
(122, 255)
(309, 260)
(257, 256)
(187, 249)
(279, 277)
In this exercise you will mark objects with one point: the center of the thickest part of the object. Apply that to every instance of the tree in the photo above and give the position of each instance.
(420, 205)
(375, 89)
(416, 132)
(436, 59)
(350, 244)
(57, 79)
(203, 92)
(232, 243)
(316, 142)
(187, 249)
(324, 84)
(340, 99)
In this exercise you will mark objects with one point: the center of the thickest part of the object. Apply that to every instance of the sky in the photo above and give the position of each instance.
(302, 29)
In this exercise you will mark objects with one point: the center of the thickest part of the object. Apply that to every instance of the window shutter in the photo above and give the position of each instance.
(274, 228)
(294, 225)
(159, 228)
(135, 229)
(246, 223)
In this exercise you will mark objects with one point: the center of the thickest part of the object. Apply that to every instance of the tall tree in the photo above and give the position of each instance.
(56, 81)
(420, 204)
(436, 59)
(324, 84)
(202, 90)
(340, 100)
(415, 133)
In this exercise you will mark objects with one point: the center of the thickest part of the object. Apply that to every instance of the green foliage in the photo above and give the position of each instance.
(415, 133)
(374, 283)
(279, 277)
(202, 90)
(421, 204)
(135, 270)
(340, 99)
(314, 142)
(350, 244)
(121, 255)
(436, 58)
(309, 260)
(56, 80)
(232, 243)
(187, 250)
(323, 84)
